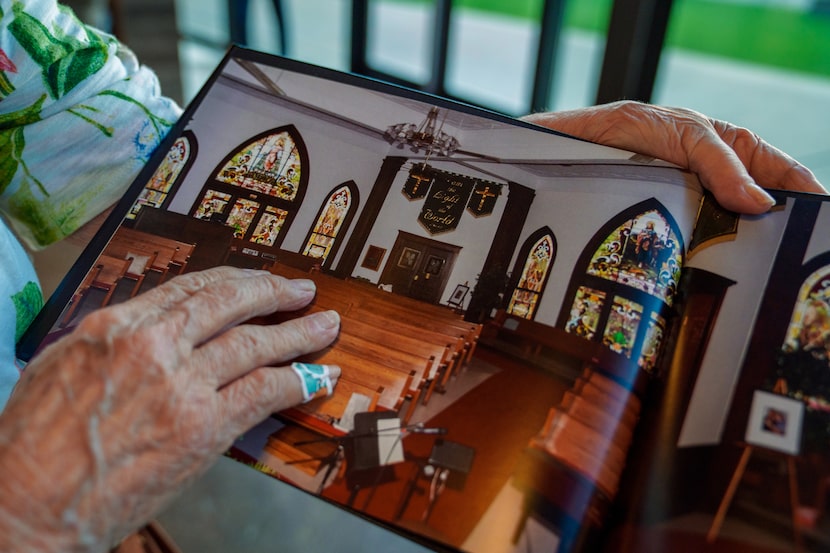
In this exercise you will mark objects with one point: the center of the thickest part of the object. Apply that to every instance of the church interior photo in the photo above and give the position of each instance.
(511, 303)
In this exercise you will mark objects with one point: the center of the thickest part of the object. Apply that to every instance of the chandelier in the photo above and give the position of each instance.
(427, 137)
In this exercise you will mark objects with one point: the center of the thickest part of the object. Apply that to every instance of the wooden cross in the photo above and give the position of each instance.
(484, 195)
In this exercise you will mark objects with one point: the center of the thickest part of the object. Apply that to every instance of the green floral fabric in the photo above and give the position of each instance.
(79, 117)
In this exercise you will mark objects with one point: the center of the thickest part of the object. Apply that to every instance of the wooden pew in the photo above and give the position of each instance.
(149, 252)
(322, 413)
(597, 418)
(104, 275)
(576, 461)
(450, 326)
(145, 257)
(431, 336)
(377, 358)
(453, 342)
(415, 364)
(365, 298)
(441, 356)
(624, 410)
(182, 251)
(582, 449)
(535, 341)
(138, 266)
(427, 347)
(395, 383)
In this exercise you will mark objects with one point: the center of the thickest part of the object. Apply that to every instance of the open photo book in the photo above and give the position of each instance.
(546, 344)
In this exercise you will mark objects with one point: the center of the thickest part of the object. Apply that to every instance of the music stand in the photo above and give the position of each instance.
(366, 466)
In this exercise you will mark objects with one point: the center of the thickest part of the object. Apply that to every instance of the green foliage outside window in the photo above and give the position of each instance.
(762, 33)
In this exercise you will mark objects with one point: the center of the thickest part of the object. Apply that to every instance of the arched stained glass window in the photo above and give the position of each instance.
(162, 184)
(270, 165)
(803, 362)
(330, 221)
(625, 284)
(809, 328)
(257, 190)
(643, 253)
(537, 262)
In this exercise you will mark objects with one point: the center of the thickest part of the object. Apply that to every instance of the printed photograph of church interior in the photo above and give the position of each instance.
(509, 298)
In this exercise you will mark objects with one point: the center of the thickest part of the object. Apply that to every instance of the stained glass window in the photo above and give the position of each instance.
(160, 185)
(643, 253)
(622, 326)
(213, 205)
(803, 363)
(809, 328)
(241, 215)
(329, 223)
(270, 165)
(652, 343)
(634, 262)
(257, 189)
(585, 312)
(269, 226)
(525, 297)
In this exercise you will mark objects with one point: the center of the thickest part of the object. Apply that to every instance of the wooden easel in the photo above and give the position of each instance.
(717, 522)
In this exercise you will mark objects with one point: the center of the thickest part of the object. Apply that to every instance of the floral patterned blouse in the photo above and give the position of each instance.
(78, 119)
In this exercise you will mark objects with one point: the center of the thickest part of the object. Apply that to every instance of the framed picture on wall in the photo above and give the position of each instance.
(775, 422)
(408, 258)
(434, 264)
(373, 258)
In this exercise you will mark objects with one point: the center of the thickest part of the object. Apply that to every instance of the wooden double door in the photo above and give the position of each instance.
(419, 267)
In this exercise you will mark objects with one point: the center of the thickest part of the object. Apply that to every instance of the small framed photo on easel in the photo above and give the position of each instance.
(775, 422)
(458, 295)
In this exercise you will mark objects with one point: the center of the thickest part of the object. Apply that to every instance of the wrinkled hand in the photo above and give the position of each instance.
(110, 422)
(733, 162)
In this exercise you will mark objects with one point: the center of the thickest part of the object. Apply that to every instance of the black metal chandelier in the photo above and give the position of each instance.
(428, 137)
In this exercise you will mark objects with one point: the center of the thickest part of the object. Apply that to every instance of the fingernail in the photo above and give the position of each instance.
(326, 320)
(759, 195)
(304, 285)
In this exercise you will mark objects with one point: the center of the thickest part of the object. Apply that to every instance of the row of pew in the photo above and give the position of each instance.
(392, 349)
(574, 465)
(131, 255)
(148, 253)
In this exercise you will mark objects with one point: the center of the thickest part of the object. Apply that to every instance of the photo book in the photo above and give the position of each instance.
(546, 344)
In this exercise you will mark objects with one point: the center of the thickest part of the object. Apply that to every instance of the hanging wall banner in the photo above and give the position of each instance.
(484, 198)
(445, 202)
(420, 178)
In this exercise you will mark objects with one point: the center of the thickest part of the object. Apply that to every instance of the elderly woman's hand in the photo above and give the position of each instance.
(731, 161)
(110, 422)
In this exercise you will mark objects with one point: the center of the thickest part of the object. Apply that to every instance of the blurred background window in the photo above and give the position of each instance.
(762, 64)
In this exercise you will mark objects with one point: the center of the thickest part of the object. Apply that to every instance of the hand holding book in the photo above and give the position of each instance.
(732, 162)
